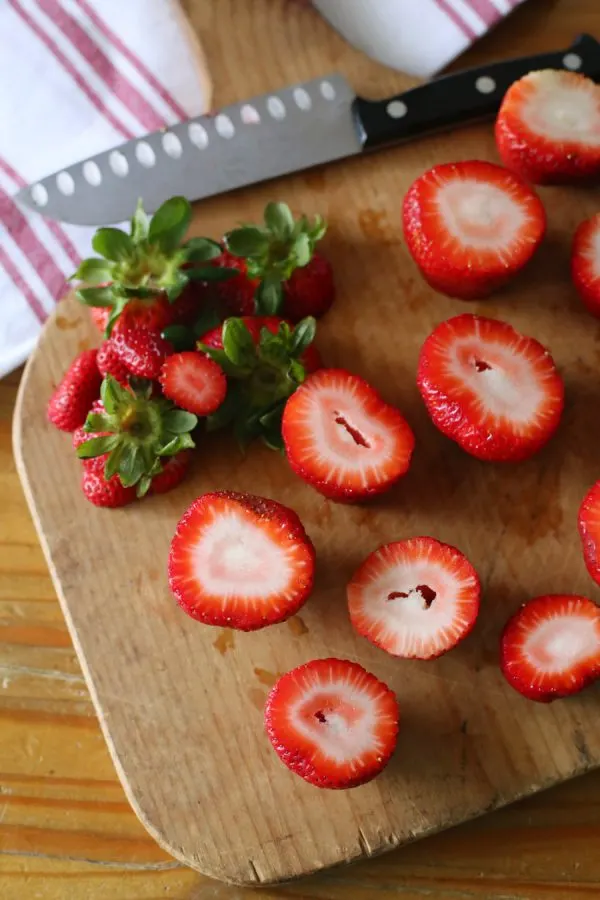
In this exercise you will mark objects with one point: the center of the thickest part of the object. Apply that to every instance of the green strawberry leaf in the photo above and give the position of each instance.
(113, 396)
(170, 223)
(176, 283)
(96, 422)
(302, 250)
(131, 467)
(211, 273)
(247, 241)
(272, 350)
(93, 271)
(226, 412)
(269, 297)
(238, 344)
(206, 321)
(143, 486)
(181, 337)
(303, 335)
(279, 220)
(96, 296)
(223, 360)
(296, 371)
(113, 244)
(201, 249)
(113, 462)
(178, 421)
(139, 224)
(97, 446)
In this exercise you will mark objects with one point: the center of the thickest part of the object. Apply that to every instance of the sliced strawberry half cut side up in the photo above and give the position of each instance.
(240, 561)
(471, 226)
(494, 391)
(548, 127)
(332, 722)
(550, 648)
(416, 598)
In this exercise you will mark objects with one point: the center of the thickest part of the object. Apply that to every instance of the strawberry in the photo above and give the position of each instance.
(135, 433)
(585, 263)
(548, 127)
(194, 382)
(138, 277)
(416, 598)
(265, 359)
(550, 648)
(240, 561)
(173, 472)
(343, 438)
(141, 351)
(79, 387)
(109, 363)
(492, 390)
(471, 226)
(102, 492)
(100, 316)
(235, 296)
(281, 272)
(332, 722)
(588, 522)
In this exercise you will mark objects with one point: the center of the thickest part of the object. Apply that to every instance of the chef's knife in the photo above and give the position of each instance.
(299, 127)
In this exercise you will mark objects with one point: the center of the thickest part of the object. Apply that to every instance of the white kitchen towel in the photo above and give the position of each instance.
(76, 78)
(416, 36)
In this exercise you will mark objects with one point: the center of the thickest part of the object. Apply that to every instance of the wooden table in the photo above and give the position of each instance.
(66, 829)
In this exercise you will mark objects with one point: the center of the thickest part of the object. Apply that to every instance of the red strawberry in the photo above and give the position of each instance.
(101, 492)
(492, 390)
(80, 436)
(332, 722)
(194, 382)
(154, 313)
(471, 226)
(585, 263)
(72, 399)
(341, 436)
(589, 530)
(141, 351)
(416, 598)
(235, 295)
(550, 648)
(100, 316)
(548, 127)
(240, 561)
(310, 290)
(173, 472)
(311, 358)
(109, 363)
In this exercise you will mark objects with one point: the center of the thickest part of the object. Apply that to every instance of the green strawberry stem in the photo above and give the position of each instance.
(139, 431)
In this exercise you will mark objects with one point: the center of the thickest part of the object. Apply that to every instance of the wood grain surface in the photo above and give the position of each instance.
(507, 745)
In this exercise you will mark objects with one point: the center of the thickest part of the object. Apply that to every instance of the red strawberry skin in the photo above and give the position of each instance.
(72, 399)
(471, 268)
(314, 694)
(197, 562)
(477, 345)
(311, 358)
(235, 295)
(194, 382)
(141, 351)
(109, 363)
(109, 494)
(175, 468)
(382, 431)
(310, 290)
(415, 599)
(588, 522)
(585, 263)
(525, 652)
(542, 148)
(154, 313)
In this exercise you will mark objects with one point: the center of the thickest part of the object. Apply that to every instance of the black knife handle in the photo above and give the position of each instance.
(467, 96)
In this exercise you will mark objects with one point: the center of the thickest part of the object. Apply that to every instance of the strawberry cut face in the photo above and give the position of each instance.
(240, 561)
(585, 263)
(332, 723)
(416, 598)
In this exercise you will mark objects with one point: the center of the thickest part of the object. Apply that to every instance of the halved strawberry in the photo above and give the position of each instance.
(194, 382)
(240, 561)
(332, 722)
(471, 226)
(548, 127)
(588, 522)
(550, 648)
(416, 598)
(585, 263)
(342, 438)
(491, 389)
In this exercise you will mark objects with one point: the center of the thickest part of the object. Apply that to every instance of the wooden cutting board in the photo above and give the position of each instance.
(181, 703)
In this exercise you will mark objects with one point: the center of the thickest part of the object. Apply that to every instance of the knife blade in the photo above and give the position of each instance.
(296, 128)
